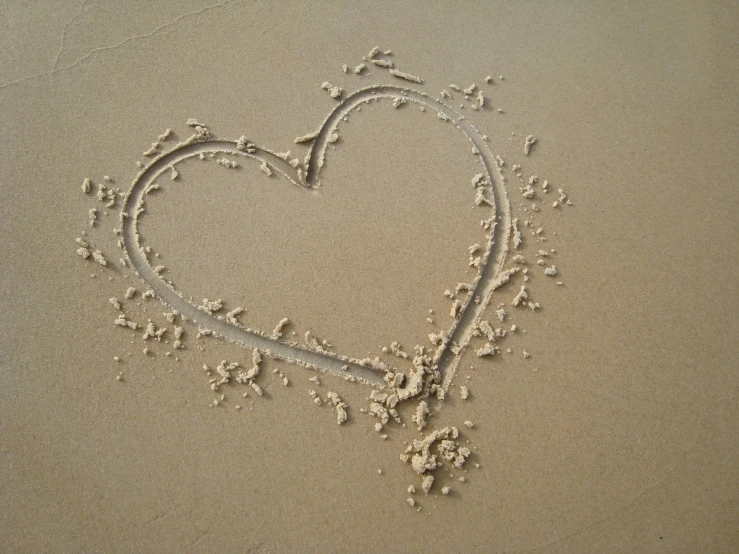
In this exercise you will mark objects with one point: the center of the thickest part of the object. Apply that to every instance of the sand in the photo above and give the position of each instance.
(601, 417)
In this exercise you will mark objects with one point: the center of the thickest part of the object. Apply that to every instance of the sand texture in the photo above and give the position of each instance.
(343, 278)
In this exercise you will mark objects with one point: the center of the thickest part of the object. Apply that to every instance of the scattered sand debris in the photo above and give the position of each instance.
(469, 90)
(379, 411)
(419, 417)
(396, 349)
(333, 91)
(99, 258)
(256, 388)
(530, 140)
(86, 184)
(314, 379)
(411, 502)
(480, 99)
(491, 334)
(419, 455)
(147, 294)
(474, 248)
(480, 198)
(456, 308)
(446, 489)
(83, 243)
(192, 122)
(130, 292)
(399, 101)
(438, 339)
(463, 287)
(516, 234)
(115, 303)
(84, 252)
(153, 150)
(340, 406)
(211, 306)
(307, 138)
(122, 321)
(383, 63)
(361, 67)
(411, 489)
(489, 79)
(244, 145)
(551, 271)
(173, 172)
(224, 370)
(526, 354)
(159, 269)
(316, 399)
(165, 135)
(233, 314)
(445, 94)
(93, 213)
(265, 169)
(256, 358)
(442, 116)
(479, 180)
(374, 52)
(231, 164)
(178, 332)
(333, 137)
(406, 76)
(464, 392)
(469, 424)
(501, 313)
(528, 192)
(277, 331)
(488, 350)
(345, 68)
(455, 87)
(312, 343)
(521, 296)
(151, 331)
(426, 483)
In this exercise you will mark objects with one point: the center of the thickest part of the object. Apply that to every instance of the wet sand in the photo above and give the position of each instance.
(616, 433)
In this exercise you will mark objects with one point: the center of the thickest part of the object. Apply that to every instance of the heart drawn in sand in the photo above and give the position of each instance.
(457, 336)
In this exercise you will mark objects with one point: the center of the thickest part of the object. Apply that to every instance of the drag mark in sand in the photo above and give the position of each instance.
(306, 177)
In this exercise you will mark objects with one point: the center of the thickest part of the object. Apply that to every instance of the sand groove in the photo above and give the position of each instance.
(447, 355)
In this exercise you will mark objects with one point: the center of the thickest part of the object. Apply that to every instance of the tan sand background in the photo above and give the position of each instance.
(624, 439)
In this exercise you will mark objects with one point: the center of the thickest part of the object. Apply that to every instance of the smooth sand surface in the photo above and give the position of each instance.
(619, 432)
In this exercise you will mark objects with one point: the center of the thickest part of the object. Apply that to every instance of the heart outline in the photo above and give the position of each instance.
(490, 274)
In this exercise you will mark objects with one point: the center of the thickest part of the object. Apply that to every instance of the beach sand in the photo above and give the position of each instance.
(614, 432)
